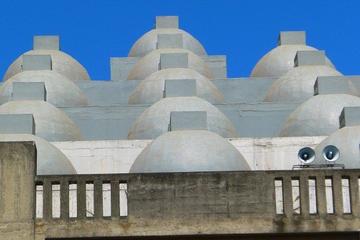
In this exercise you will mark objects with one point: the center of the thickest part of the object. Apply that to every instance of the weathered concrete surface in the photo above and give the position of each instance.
(117, 156)
(98, 157)
(17, 174)
(215, 203)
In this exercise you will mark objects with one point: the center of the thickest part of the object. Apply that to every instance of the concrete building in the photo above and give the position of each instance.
(171, 148)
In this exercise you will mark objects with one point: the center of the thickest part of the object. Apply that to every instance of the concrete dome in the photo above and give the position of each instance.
(189, 151)
(60, 91)
(51, 123)
(318, 116)
(150, 64)
(148, 42)
(347, 140)
(151, 89)
(280, 60)
(297, 85)
(50, 160)
(61, 63)
(154, 120)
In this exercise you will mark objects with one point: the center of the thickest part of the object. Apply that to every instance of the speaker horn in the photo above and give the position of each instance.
(331, 153)
(306, 155)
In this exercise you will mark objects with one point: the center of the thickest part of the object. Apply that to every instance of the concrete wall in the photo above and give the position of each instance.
(117, 156)
(207, 203)
(17, 174)
(235, 90)
(114, 122)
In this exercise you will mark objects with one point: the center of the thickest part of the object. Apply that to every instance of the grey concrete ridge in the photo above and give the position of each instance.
(170, 40)
(309, 58)
(17, 124)
(46, 43)
(188, 120)
(292, 38)
(36, 62)
(350, 116)
(29, 91)
(331, 85)
(180, 88)
(173, 60)
(167, 22)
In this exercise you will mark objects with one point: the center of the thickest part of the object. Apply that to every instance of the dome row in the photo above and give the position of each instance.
(49, 74)
(170, 59)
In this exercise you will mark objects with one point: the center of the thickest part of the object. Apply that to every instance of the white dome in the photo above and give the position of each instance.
(280, 60)
(60, 91)
(61, 63)
(297, 85)
(150, 64)
(148, 42)
(318, 116)
(347, 140)
(151, 89)
(51, 123)
(50, 160)
(154, 120)
(189, 151)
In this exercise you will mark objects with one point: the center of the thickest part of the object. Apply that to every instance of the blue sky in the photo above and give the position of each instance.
(94, 30)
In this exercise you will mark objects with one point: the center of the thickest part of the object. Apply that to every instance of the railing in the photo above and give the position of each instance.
(81, 196)
(137, 204)
(317, 193)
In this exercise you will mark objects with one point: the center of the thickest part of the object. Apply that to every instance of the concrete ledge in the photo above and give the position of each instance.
(49, 42)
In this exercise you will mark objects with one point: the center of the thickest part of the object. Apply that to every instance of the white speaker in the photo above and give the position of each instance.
(306, 155)
(331, 153)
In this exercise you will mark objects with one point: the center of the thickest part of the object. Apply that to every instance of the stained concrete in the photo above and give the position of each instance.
(17, 174)
(117, 156)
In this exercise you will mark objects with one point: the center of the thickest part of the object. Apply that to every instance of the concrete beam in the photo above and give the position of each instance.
(120, 67)
(169, 41)
(167, 22)
(180, 88)
(188, 120)
(173, 60)
(350, 116)
(309, 58)
(29, 91)
(36, 62)
(292, 38)
(331, 85)
(17, 124)
(49, 42)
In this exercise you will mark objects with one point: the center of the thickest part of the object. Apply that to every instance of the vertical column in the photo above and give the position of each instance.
(320, 191)
(337, 194)
(98, 205)
(288, 201)
(81, 198)
(47, 199)
(64, 196)
(17, 190)
(115, 206)
(354, 193)
(304, 195)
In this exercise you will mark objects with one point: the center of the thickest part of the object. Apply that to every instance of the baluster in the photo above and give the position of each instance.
(288, 201)
(338, 204)
(81, 198)
(115, 202)
(304, 195)
(320, 192)
(354, 193)
(47, 206)
(98, 204)
(64, 198)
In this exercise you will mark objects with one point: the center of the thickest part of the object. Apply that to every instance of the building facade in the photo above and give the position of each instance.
(171, 148)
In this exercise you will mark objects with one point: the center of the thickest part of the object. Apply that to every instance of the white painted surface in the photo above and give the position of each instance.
(117, 156)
